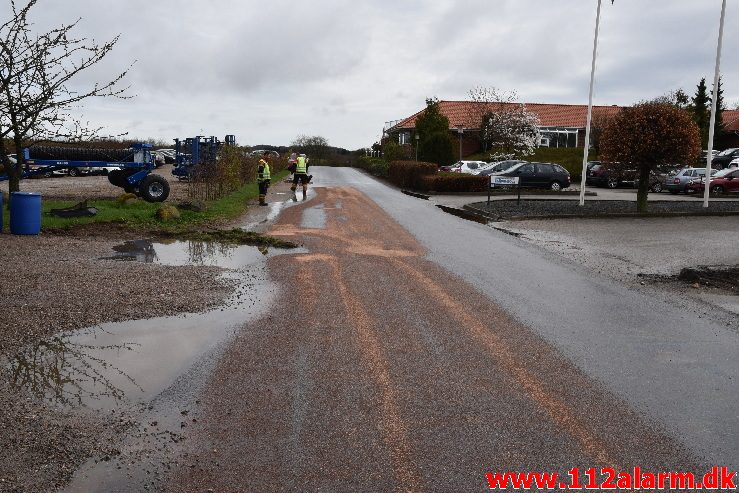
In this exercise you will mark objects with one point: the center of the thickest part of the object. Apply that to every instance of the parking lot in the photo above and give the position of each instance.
(637, 251)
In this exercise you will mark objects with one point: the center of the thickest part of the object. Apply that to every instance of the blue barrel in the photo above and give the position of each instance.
(25, 213)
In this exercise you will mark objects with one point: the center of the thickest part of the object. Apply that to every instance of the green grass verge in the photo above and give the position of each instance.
(141, 215)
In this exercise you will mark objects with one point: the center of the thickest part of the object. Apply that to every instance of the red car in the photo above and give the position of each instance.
(724, 181)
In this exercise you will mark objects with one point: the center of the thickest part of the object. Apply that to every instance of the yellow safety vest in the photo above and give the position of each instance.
(264, 174)
(301, 166)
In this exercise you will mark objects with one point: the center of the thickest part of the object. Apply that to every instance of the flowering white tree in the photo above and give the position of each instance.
(510, 129)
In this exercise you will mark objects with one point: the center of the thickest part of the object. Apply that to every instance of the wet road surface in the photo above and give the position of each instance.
(410, 350)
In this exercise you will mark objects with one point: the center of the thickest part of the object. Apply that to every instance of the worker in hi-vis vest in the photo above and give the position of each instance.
(263, 178)
(301, 174)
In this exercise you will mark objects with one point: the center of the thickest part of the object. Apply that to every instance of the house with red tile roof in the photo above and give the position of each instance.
(731, 129)
(561, 125)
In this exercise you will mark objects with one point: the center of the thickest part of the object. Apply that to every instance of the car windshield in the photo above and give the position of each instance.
(515, 167)
(726, 152)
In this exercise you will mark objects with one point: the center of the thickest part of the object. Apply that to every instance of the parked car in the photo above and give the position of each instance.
(260, 153)
(678, 182)
(539, 175)
(657, 180)
(724, 181)
(704, 155)
(604, 175)
(167, 154)
(723, 158)
(469, 167)
(499, 166)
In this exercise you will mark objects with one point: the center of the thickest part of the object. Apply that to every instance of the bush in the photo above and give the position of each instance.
(408, 174)
(373, 165)
(453, 182)
(437, 147)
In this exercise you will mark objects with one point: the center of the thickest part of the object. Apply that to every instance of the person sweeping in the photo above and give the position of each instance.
(301, 175)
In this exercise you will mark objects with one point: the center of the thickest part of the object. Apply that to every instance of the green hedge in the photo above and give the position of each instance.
(408, 174)
(453, 182)
(373, 165)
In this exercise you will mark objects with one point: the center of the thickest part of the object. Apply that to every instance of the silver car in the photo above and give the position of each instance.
(678, 182)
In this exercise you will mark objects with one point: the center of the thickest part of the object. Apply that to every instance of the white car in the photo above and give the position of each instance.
(734, 163)
(469, 167)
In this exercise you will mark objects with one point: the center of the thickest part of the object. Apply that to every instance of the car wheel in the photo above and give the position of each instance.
(73, 172)
(717, 189)
(154, 188)
(555, 186)
(612, 183)
(48, 174)
(657, 187)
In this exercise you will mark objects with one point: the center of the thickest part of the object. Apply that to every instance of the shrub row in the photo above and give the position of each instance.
(409, 174)
(453, 182)
(373, 165)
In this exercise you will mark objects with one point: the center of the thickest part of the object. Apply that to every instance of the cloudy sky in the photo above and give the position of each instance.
(269, 71)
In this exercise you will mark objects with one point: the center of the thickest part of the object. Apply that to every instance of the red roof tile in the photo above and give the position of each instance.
(731, 120)
(550, 115)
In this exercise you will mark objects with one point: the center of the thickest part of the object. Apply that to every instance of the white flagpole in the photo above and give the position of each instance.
(590, 110)
(711, 129)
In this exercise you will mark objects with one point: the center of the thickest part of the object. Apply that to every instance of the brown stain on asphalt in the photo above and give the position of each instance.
(368, 398)
(353, 242)
(393, 428)
(499, 349)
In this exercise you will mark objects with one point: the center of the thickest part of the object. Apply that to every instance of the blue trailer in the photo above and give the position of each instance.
(133, 173)
(195, 152)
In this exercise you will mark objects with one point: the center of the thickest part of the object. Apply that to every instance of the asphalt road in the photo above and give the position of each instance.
(411, 350)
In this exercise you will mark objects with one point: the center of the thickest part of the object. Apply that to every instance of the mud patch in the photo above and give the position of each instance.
(726, 278)
(721, 278)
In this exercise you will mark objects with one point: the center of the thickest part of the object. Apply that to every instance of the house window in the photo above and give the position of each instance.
(404, 138)
(558, 137)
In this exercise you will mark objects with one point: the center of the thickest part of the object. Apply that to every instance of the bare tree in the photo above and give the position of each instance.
(36, 100)
(315, 146)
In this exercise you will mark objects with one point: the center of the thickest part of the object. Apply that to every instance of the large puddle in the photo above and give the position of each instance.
(129, 363)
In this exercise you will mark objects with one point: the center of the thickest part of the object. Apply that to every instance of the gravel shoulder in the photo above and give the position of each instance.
(55, 284)
(646, 253)
(58, 283)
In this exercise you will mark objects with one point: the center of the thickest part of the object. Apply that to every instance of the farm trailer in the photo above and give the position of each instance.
(132, 171)
(197, 153)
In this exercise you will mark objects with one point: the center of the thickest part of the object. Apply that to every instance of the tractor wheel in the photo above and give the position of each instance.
(154, 188)
(117, 178)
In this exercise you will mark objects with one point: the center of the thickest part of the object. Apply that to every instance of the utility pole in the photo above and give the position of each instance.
(714, 101)
(460, 129)
(590, 110)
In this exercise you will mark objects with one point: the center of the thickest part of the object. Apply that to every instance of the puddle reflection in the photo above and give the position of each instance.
(62, 371)
(179, 253)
